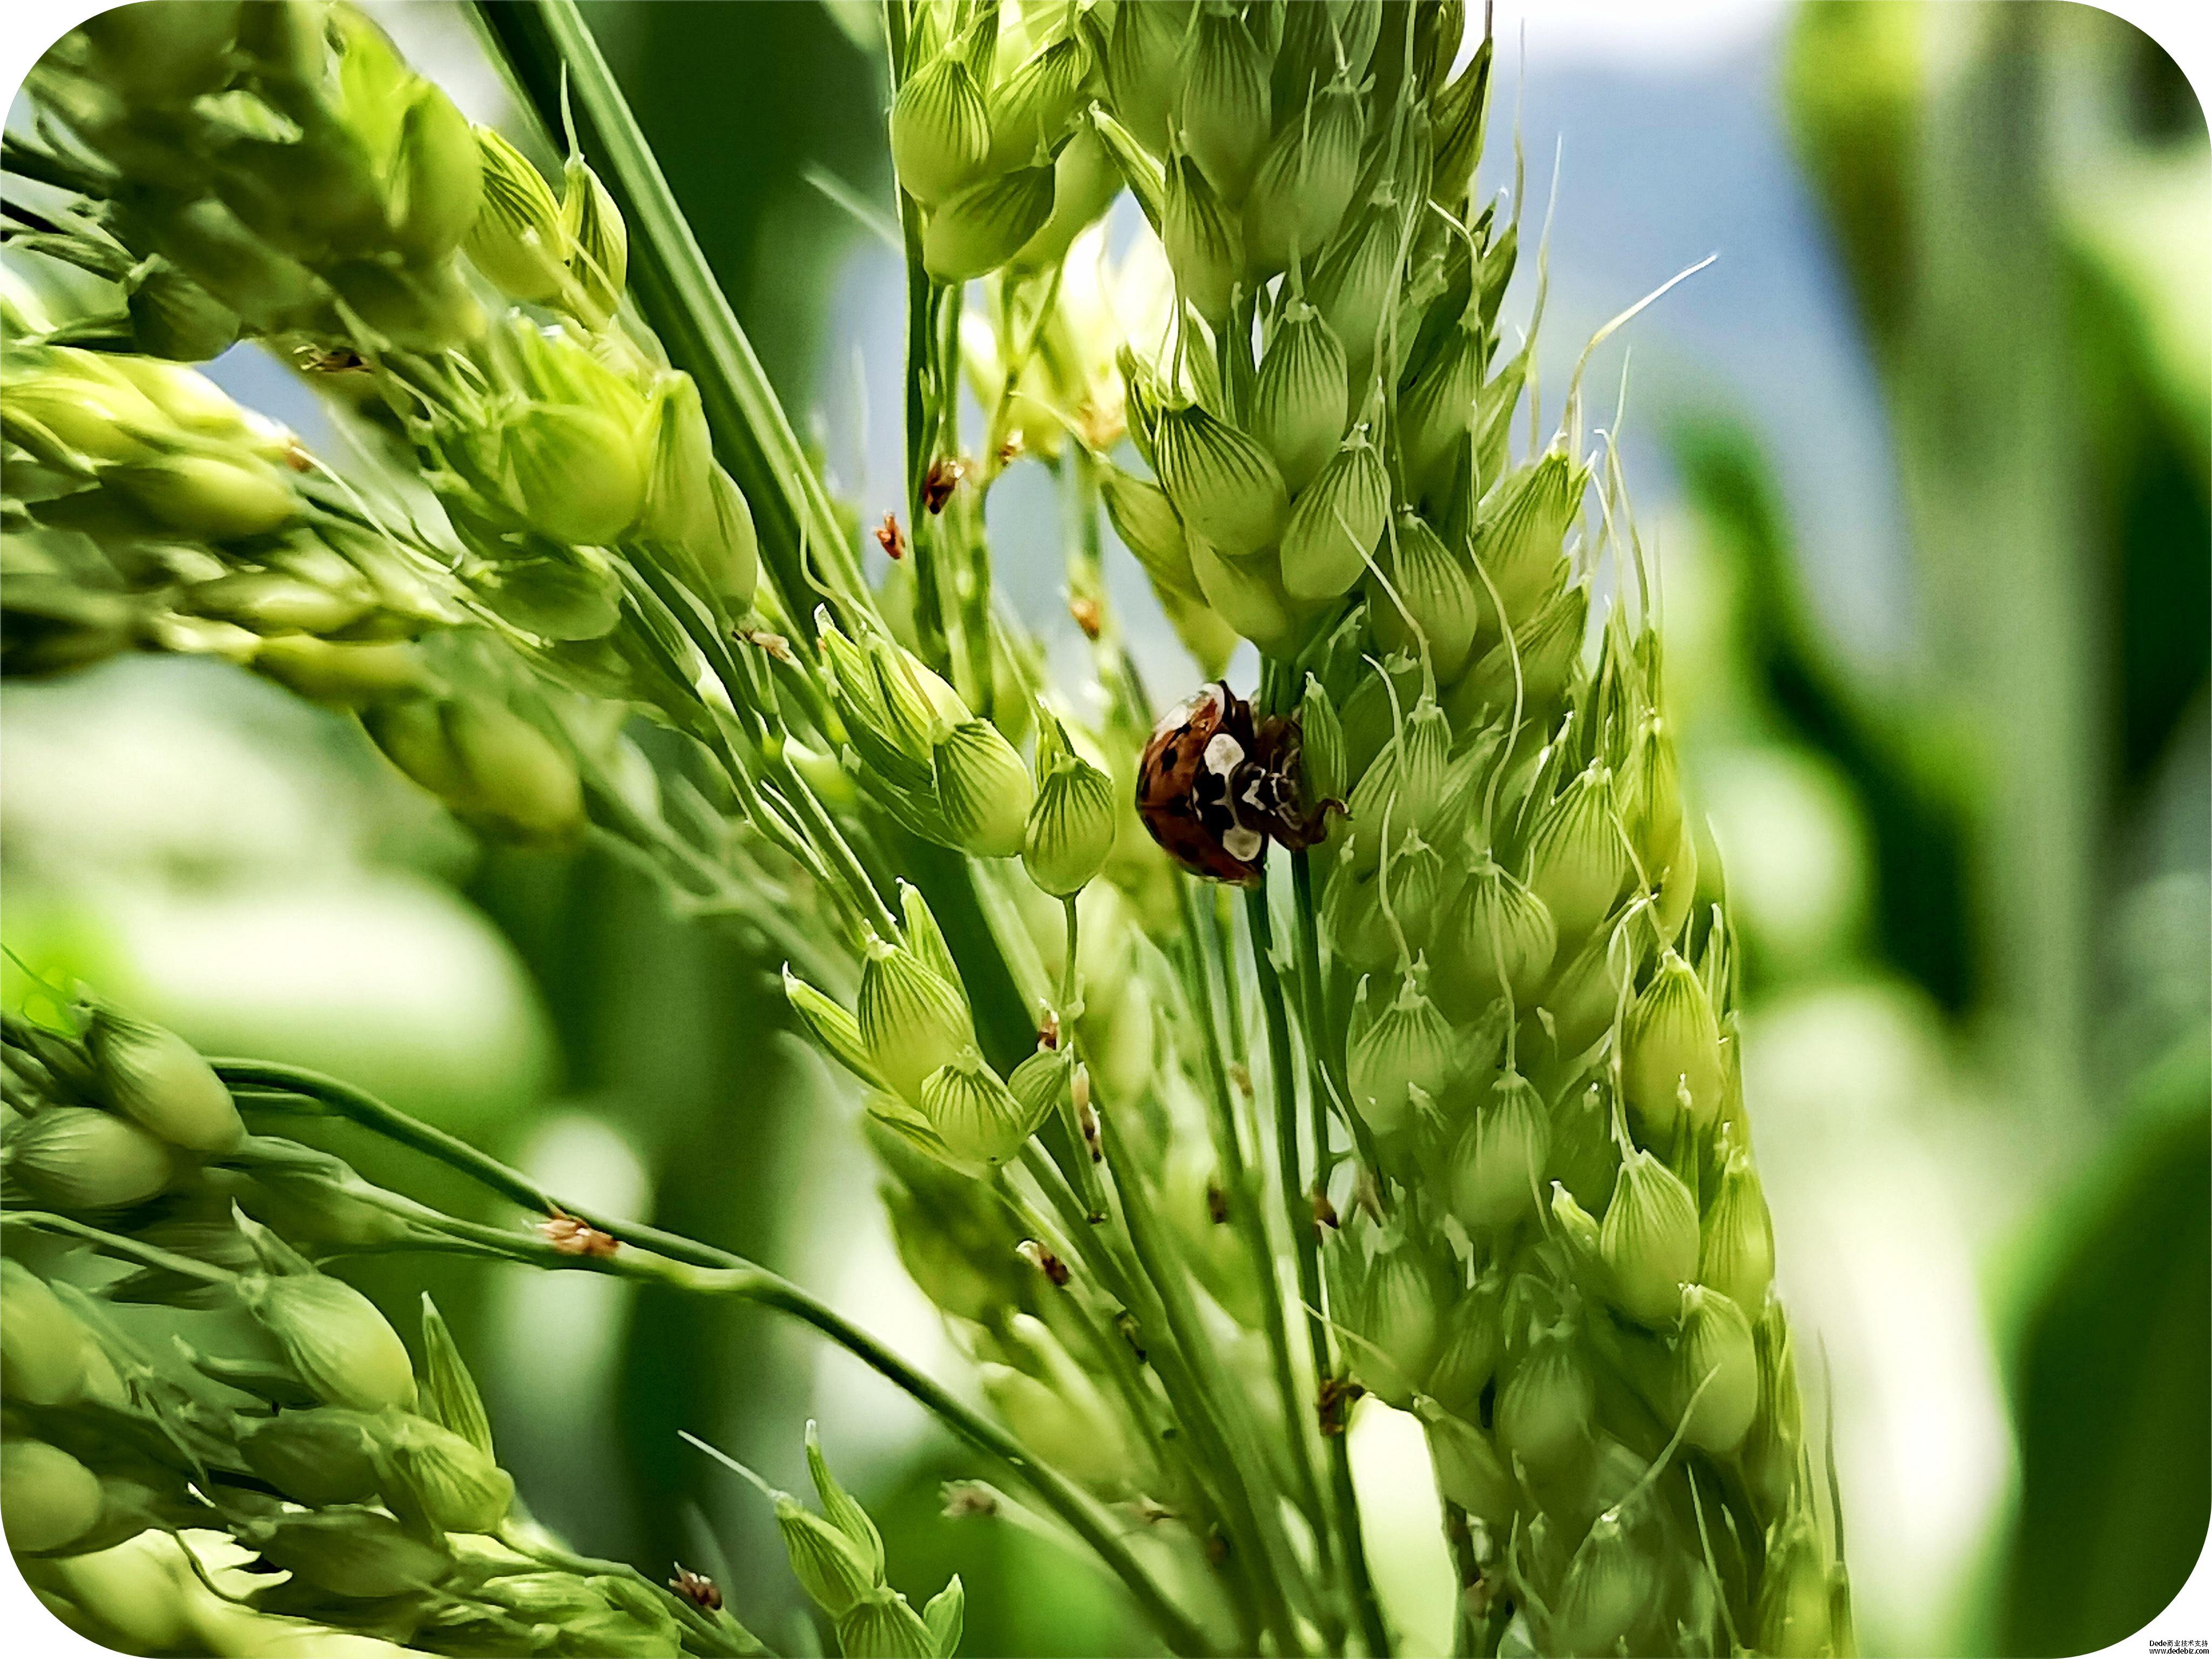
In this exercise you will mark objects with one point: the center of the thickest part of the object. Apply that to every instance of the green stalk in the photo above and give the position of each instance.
(548, 50)
(1166, 1342)
(1261, 1527)
(1353, 1544)
(666, 1258)
(1245, 1188)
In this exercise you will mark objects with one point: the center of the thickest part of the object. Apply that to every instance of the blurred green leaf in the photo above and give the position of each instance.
(2114, 1367)
(1898, 762)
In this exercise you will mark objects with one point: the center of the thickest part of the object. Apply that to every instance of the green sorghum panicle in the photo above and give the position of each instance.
(310, 1456)
(1510, 1006)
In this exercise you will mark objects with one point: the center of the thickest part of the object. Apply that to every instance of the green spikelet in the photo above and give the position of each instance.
(1356, 279)
(1223, 111)
(516, 239)
(1736, 1256)
(45, 1352)
(911, 1019)
(1546, 1409)
(47, 1498)
(1305, 182)
(1071, 824)
(940, 131)
(1649, 1240)
(1225, 487)
(1401, 1048)
(983, 789)
(1335, 526)
(450, 1395)
(1469, 1471)
(73, 1158)
(1421, 600)
(1204, 248)
(979, 1119)
(1301, 399)
(1577, 865)
(1713, 1378)
(1608, 1587)
(1500, 941)
(842, 1511)
(1519, 537)
(1495, 1169)
(1671, 1051)
(1435, 407)
(1144, 71)
(1537, 662)
(334, 1339)
(1031, 109)
(1148, 527)
(159, 1080)
(973, 233)
(598, 242)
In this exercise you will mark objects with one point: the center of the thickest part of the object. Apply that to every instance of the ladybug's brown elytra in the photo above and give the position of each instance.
(1214, 790)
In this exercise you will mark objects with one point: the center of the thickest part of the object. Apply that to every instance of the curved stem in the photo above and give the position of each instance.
(669, 1258)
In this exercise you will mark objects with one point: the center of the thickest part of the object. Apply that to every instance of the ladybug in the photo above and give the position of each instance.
(1212, 789)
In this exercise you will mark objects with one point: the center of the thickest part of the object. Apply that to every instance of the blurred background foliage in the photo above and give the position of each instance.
(1925, 461)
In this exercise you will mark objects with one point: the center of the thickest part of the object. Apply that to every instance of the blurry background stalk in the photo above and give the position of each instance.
(2020, 195)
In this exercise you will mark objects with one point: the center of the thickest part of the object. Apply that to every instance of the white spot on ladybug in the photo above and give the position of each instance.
(1243, 844)
(1223, 754)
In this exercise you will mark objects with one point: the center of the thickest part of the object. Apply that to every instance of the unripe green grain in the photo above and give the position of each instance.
(1205, 247)
(1421, 600)
(1223, 111)
(157, 1078)
(986, 225)
(334, 1339)
(983, 789)
(1337, 524)
(940, 131)
(1671, 1050)
(1300, 401)
(1545, 1408)
(1494, 1178)
(1402, 1047)
(45, 1352)
(1578, 863)
(47, 1498)
(911, 1021)
(1649, 1240)
(1469, 1471)
(77, 1159)
(1713, 1381)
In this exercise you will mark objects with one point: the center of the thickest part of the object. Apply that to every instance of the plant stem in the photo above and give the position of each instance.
(1261, 1527)
(146, 1255)
(666, 1258)
(1244, 1192)
(1368, 1609)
